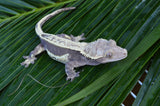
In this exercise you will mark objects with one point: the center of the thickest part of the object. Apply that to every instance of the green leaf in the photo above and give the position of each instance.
(150, 91)
(134, 25)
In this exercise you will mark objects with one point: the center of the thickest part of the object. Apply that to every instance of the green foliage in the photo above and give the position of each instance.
(150, 90)
(135, 25)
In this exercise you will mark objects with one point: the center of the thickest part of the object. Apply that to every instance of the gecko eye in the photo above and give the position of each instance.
(109, 54)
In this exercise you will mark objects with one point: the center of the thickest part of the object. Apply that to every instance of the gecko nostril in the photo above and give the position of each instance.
(125, 54)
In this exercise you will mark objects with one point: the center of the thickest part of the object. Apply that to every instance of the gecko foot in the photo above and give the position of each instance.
(78, 38)
(29, 60)
(71, 76)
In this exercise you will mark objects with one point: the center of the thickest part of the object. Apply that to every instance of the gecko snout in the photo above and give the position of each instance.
(125, 52)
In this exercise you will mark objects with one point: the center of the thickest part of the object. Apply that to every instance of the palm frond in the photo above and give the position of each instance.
(133, 24)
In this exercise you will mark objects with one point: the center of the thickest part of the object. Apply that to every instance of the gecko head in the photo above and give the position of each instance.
(110, 52)
(104, 51)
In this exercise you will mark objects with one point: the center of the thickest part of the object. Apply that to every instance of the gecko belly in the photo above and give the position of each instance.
(62, 58)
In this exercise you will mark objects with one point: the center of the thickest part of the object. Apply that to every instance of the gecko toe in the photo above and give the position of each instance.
(72, 76)
(82, 35)
(22, 63)
(25, 57)
(26, 65)
(68, 78)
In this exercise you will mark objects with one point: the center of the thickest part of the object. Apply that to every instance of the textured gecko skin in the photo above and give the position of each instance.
(68, 50)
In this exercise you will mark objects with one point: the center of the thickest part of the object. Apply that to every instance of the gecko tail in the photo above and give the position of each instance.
(39, 25)
(38, 83)
(47, 85)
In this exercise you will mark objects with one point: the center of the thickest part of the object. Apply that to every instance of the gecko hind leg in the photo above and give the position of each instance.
(31, 58)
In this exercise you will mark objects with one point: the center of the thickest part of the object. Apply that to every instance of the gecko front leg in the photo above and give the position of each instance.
(73, 38)
(30, 59)
(69, 69)
(78, 38)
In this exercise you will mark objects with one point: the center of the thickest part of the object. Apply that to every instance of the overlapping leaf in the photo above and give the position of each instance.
(150, 91)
